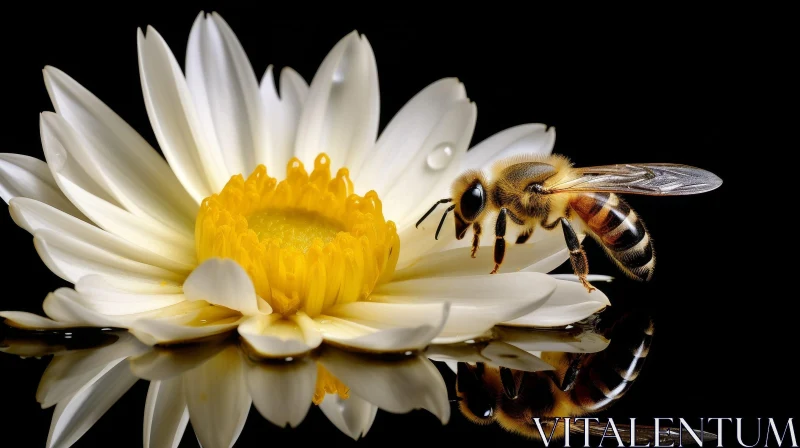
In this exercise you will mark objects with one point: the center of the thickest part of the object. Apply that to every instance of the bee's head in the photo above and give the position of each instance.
(478, 388)
(470, 197)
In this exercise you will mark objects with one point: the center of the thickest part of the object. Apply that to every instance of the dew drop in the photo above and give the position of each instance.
(58, 158)
(339, 73)
(440, 156)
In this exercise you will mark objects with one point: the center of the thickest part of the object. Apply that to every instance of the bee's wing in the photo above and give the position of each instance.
(655, 179)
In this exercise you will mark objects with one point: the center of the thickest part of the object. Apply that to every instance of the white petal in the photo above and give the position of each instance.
(66, 156)
(552, 253)
(144, 286)
(395, 386)
(294, 90)
(478, 302)
(383, 327)
(477, 290)
(71, 370)
(541, 256)
(69, 163)
(340, 116)
(465, 352)
(405, 134)
(568, 304)
(419, 241)
(218, 400)
(196, 160)
(502, 354)
(139, 230)
(423, 183)
(165, 414)
(222, 282)
(32, 321)
(33, 215)
(180, 329)
(278, 336)
(26, 177)
(64, 306)
(591, 277)
(281, 116)
(97, 294)
(76, 414)
(550, 340)
(72, 259)
(282, 393)
(116, 156)
(353, 416)
(497, 353)
(182, 322)
(225, 91)
(162, 363)
(533, 138)
(472, 322)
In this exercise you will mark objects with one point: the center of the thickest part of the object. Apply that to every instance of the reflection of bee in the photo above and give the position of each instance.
(533, 190)
(581, 384)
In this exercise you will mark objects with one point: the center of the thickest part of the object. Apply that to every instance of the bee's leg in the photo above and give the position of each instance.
(511, 381)
(476, 237)
(549, 226)
(577, 256)
(500, 241)
(570, 376)
(524, 236)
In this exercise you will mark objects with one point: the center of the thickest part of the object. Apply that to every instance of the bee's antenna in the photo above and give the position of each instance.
(444, 215)
(440, 201)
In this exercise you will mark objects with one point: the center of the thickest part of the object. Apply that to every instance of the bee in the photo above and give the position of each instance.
(581, 384)
(547, 191)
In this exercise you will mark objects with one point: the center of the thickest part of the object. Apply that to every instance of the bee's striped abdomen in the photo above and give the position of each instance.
(612, 372)
(619, 230)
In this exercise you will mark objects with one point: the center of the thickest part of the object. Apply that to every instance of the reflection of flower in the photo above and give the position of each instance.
(213, 384)
(194, 248)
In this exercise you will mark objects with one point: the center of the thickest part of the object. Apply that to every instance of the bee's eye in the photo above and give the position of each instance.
(472, 202)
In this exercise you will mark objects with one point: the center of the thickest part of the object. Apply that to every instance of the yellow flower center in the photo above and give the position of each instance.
(328, 384)
(307, 242)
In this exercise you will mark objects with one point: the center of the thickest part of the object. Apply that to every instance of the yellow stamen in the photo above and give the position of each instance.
(306, 242)
(328, 384)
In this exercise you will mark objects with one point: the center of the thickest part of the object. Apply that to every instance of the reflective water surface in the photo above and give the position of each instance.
(524, 381)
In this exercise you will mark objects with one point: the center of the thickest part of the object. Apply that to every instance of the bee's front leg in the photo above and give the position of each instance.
(476, 237)
(500, 240)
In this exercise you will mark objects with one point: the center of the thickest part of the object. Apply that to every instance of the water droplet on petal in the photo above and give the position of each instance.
(338, 74)
(440, 156)
(58, 158)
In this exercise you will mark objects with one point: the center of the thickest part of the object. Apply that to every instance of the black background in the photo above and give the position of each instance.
(655, 89)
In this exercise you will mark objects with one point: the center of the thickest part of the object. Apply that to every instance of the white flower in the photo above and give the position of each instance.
(212, 239)
(213, 384)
